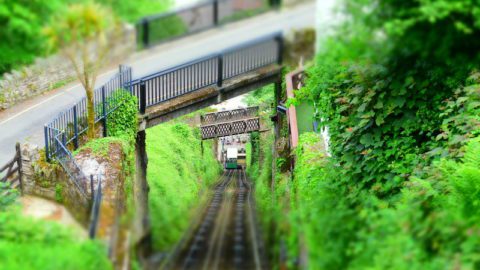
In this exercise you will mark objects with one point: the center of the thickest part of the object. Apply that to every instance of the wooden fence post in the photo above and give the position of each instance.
(19, 164)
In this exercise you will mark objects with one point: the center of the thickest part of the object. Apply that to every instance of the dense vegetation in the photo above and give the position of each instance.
(32, 244)
(22, 23)
(28, 244)
(179, 170)
(398, 88)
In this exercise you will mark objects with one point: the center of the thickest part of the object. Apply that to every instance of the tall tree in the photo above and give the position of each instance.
(85, 33)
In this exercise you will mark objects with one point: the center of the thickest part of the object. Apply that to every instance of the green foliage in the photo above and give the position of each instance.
(178, 170)
(101, 146)
(164, 28)
(398, 88)
(432, 226)
(383, 100)
(79, 23)
(8, 199)
(131, 11)
(123, 121)
(22, 23)
(58, 193)
(23, 20)
(32, 244)
(243, 14)
(264, 96)
(324, 214)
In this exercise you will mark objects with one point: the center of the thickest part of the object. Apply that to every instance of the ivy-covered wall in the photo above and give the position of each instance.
(398, 87)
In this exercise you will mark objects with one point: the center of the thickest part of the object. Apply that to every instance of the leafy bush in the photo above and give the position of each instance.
(131, 11)
(21, 29)
(382, 82)
(163, 29)
(178, 170)
(8, 199)
(22, 23)
(32, 244)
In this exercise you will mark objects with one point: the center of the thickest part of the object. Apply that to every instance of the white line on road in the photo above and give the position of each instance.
(47, 100)
(33, 107)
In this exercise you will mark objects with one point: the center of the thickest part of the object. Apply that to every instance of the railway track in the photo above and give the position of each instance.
(226, 237)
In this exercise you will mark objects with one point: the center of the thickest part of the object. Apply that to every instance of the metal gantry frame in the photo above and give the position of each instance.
(231, 122)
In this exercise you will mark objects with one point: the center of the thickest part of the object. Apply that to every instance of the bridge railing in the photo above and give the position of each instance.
(207, 71)
(198, 17)
(70, 124)
(96, 198)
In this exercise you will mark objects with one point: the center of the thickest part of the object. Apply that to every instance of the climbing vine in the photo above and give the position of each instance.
(122, 122)
(386, 100)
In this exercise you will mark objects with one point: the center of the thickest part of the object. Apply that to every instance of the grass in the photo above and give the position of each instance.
(101, 146)
(26, 244)
(177, 174)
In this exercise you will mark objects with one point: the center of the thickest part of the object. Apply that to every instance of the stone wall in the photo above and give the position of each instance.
(52, 72)
(50, 181)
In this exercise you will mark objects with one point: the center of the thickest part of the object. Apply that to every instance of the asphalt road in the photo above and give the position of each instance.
(25, 122)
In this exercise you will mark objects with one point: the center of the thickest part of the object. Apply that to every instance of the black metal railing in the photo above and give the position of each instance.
(201, 16)
(66, 129)
(207, 71)
(96, 198)
(70, 124)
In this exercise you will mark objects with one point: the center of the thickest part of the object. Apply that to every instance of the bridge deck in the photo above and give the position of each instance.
(208, 96)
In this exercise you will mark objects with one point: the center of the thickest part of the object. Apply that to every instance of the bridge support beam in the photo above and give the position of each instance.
(142, 222)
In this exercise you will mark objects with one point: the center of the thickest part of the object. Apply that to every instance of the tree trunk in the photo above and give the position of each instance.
(90, 115)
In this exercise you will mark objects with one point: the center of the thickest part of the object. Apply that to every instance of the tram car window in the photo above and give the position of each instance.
(242, 158)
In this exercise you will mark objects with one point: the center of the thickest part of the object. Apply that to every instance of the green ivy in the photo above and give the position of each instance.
(384, 100)
(398, 87)
(123, 121)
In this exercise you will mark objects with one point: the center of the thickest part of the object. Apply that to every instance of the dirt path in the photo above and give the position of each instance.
(47, 210)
